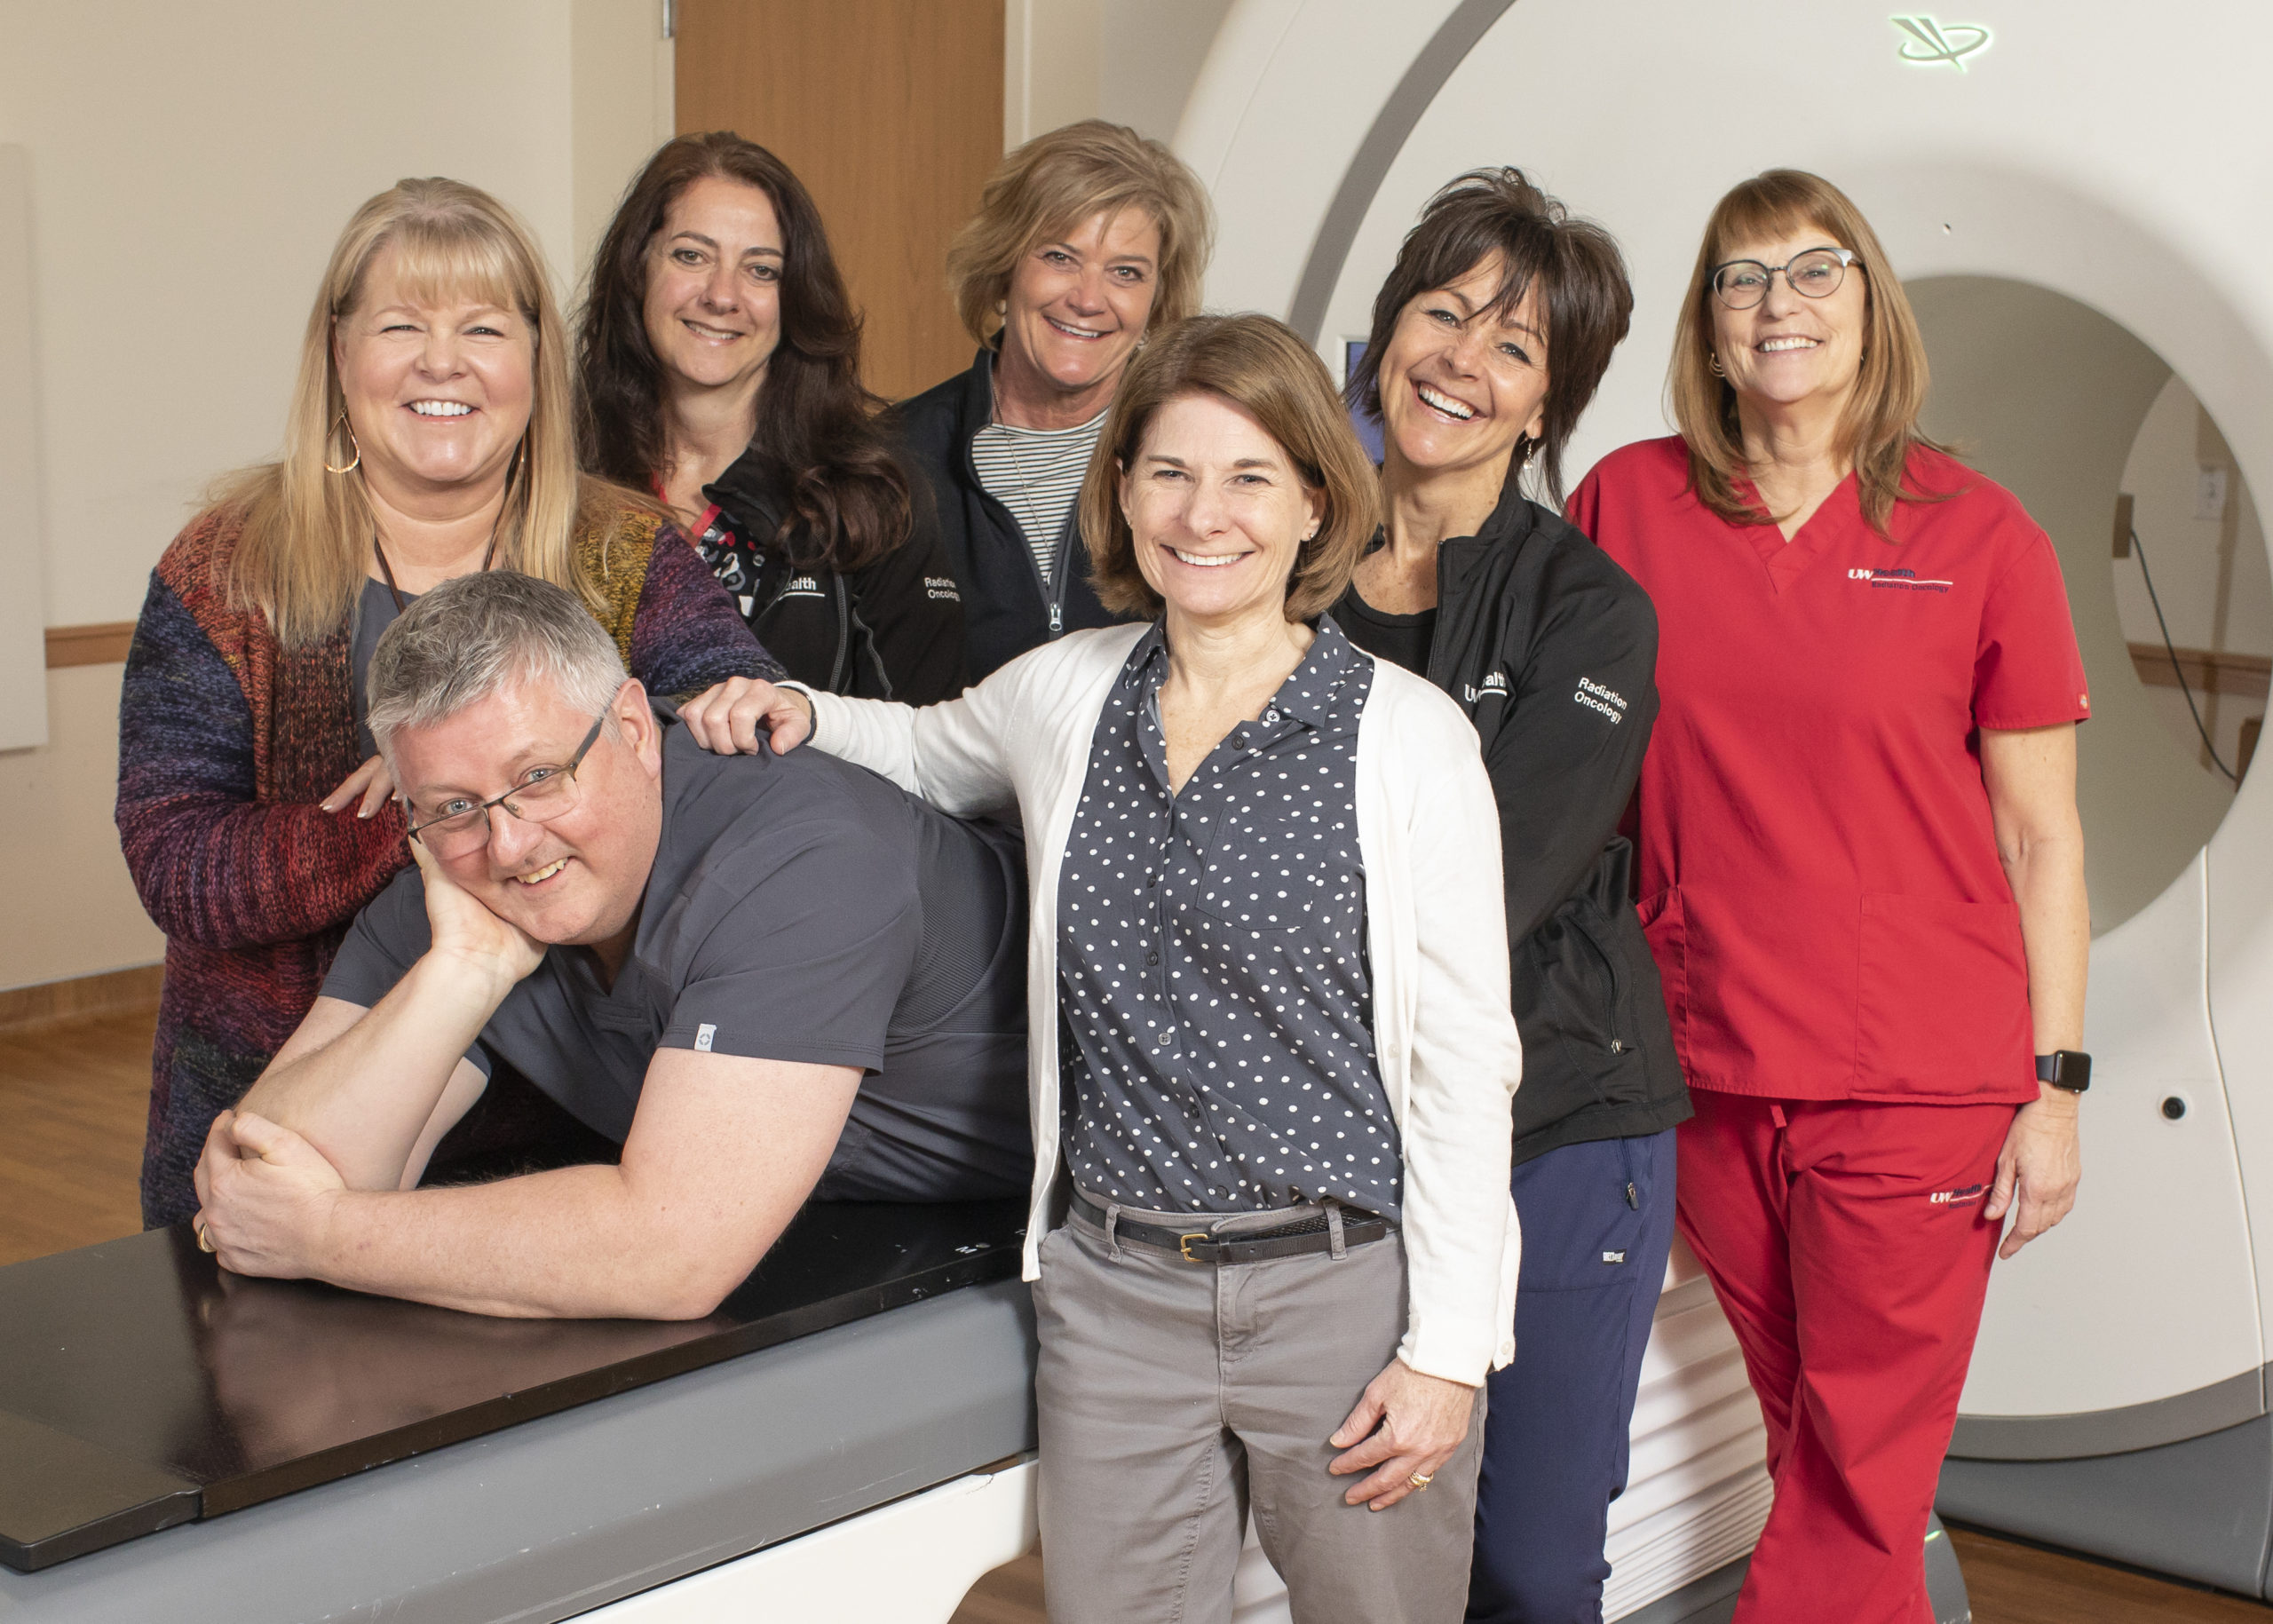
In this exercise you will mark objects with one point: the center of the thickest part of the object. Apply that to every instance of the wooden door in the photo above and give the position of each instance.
(890, 112)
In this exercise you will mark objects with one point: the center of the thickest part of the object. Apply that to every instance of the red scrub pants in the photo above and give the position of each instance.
(1846, 1244)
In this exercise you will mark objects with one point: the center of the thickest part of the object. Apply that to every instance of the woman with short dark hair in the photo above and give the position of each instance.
(1488, 341)
(1087, 239)
(1861, 873)
(1271, 1052)
(718, 365)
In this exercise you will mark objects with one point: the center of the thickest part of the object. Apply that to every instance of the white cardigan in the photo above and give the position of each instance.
(1437, 943)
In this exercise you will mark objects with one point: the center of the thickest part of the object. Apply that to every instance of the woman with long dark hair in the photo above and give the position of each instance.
(718, 365)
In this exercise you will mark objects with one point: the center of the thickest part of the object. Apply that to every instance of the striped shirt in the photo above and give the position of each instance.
(1037, 474)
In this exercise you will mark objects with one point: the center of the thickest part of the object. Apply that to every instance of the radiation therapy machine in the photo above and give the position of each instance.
(2070, 189)
(2064, 186)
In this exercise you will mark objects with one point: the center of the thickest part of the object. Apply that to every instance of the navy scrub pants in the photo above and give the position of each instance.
(1556, 1428)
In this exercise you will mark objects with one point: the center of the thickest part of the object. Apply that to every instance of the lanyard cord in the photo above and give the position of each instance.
(387, 572)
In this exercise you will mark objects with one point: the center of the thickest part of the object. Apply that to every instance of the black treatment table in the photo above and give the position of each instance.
(180, 1444)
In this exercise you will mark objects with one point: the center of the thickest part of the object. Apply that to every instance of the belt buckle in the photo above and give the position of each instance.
(1183, 1244)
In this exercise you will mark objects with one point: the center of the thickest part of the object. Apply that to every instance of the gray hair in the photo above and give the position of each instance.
(476, 635)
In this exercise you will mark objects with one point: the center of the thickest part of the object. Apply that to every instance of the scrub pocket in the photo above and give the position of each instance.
(1941, 998)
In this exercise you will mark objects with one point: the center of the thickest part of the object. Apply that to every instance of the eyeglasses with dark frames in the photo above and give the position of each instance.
(461, 827)
(1742, 283)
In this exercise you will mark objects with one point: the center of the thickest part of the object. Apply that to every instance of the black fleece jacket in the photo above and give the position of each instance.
(1551, 649)
(1006, 608)
(889, 630)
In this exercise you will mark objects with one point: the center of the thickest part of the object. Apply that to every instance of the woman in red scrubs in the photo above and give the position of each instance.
(1861, 873)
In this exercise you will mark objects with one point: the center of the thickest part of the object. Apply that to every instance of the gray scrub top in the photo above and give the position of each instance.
(800, 909)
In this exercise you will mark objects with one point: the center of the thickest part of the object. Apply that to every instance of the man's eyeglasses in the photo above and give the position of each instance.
(1742, 283)
(460, 826)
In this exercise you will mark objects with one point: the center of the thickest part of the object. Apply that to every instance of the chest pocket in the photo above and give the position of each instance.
(1284, 871)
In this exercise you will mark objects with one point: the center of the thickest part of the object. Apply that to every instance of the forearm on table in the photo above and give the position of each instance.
(364, 1098)
(584, 1242)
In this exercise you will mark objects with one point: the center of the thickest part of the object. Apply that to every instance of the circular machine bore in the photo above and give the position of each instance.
(2048, 397)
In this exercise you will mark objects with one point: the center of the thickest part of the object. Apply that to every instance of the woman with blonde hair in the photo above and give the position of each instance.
(1861, 873)
(429, 436)
(1086, 239)
(1271, 1055)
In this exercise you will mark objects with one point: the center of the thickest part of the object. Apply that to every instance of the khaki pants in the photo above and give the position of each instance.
(1173, 1396)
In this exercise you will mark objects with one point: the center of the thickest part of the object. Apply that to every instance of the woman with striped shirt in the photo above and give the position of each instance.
(1086, 239)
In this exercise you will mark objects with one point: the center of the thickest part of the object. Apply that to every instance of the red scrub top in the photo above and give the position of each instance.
(1818, 870)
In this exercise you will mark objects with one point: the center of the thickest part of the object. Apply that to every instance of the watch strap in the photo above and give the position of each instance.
(2065, 1068)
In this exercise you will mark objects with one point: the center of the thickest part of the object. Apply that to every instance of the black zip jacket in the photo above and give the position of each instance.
(890, 629)
(1006, 608)
(1551, 649)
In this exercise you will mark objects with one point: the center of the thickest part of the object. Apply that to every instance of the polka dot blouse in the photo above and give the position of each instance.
(1215, 1004)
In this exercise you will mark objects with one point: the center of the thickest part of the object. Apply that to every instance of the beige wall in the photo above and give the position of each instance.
(1132, 61)
(190, 168)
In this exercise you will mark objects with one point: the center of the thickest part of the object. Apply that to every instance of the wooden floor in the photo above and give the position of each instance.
(2008, 1584)
(72, 1095)
(2020, 1584)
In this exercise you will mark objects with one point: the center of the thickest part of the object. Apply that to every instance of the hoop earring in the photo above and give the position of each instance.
(1713, 359)
(357, 462)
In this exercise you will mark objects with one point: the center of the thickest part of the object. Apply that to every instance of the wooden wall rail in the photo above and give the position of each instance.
(102, 644)
(117, 992)
(2207, 670)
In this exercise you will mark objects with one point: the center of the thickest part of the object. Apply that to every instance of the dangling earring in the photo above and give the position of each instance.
(1713, 359)
(354, 463)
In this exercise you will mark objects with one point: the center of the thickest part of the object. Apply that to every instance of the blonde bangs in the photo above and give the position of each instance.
(445, 261)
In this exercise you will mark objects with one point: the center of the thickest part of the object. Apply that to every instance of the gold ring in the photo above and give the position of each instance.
(204, 1240)
(1421, 1480)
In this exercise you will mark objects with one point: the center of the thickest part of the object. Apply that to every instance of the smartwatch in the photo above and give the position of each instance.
(2065, 1068)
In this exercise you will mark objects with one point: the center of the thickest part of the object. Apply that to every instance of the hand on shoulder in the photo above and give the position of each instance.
(726, 718)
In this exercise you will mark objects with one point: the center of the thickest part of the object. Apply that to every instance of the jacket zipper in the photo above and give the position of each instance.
(1610, 969)
(836, 671)
(1053, 591)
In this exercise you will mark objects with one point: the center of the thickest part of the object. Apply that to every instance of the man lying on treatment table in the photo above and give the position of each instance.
(767, 975)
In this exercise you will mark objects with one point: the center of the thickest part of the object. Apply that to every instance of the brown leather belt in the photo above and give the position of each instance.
(1310, 1234)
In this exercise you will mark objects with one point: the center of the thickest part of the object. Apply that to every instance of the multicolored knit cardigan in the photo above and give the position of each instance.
(227, 743)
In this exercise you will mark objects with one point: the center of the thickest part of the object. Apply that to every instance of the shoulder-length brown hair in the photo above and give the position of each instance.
(1880, 425)
(1584, 298)
(306, 541)
(848, 497)
(1260, 366)
(1050, 184)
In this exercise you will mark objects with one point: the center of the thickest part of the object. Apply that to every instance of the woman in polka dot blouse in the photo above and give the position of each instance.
(1273, 1050)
